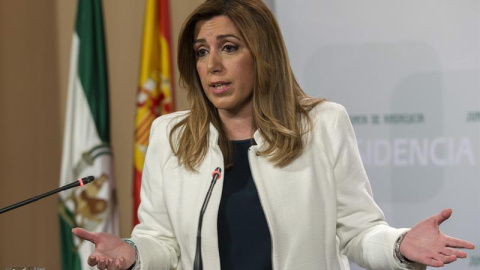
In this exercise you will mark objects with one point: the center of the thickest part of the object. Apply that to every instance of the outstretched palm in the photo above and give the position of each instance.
(425, 244)
(110, 250)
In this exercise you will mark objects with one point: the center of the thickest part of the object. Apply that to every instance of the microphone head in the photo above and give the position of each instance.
(88, 179)
(217, 173)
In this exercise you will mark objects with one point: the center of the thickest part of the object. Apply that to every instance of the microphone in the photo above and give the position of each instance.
(79, 182)
(197, 264)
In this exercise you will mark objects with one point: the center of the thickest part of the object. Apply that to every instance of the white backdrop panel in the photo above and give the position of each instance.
(408, 72)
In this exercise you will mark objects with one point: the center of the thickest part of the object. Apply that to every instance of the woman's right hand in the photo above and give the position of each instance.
(111, 252)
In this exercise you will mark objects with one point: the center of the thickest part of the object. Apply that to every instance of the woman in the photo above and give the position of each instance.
(295, 194)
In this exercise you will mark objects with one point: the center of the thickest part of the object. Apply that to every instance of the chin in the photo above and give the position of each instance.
(222, 105)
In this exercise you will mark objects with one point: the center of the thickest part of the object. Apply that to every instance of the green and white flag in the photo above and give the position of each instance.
(86, 145)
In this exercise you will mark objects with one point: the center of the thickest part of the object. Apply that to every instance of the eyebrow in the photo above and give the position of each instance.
(219, 37)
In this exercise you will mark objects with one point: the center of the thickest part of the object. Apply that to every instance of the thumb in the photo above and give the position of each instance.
(86, 235)
(444, 215)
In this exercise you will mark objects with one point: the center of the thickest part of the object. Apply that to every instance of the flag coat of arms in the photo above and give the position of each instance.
(86, 145)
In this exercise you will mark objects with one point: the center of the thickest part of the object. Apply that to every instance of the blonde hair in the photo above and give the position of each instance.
(280, 107)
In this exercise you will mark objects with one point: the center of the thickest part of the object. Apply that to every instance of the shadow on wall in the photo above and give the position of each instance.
(388, 80)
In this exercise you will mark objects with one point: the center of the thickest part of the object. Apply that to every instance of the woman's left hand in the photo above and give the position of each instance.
(425, 244)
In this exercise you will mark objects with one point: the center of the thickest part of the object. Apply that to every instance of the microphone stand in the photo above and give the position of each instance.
(198, 264)
(79, 182)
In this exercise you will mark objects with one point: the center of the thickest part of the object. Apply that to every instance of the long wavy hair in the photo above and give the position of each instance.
(280, 107)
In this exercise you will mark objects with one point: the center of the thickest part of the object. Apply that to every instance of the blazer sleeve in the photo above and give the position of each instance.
(363, 234)
(154, 235)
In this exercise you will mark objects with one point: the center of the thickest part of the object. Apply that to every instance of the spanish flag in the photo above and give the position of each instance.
(155, 87)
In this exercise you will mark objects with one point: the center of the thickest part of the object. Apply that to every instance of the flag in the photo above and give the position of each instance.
(86, 143)
(155, 87)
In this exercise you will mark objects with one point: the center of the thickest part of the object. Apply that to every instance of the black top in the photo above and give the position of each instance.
(243, 236)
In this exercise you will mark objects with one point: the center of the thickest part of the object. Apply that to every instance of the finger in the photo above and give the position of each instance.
(444, 256)
(444, 215)
(455, 252)
(111, 265)
(459, 243)
(92, 260)
(433, 262)
(102, 264)
(123, 263)
(449, 259)
(89, 236)
(118, 265)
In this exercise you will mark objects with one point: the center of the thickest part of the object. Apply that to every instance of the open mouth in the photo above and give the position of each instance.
(219, 87)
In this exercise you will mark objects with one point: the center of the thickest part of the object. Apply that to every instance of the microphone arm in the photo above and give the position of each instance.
(198, 264)
(79, 182)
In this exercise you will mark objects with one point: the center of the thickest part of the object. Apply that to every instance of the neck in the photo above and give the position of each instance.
(238, 126)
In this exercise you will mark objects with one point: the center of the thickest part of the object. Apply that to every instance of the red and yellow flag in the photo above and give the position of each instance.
(155, 87)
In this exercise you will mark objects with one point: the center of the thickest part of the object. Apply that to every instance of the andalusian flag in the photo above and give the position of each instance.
(155, 86)
(86, 145)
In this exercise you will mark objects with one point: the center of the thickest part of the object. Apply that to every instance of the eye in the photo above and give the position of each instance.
(201, 52)
(230, 48)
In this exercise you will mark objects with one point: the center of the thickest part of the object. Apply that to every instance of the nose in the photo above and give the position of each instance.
(214, 64)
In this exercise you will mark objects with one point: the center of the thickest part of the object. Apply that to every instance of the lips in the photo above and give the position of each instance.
(219, 87)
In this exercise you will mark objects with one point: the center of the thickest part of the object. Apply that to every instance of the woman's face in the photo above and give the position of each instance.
(224, 65)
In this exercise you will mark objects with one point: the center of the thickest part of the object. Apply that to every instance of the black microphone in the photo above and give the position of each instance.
(79, 182)
(198, 264)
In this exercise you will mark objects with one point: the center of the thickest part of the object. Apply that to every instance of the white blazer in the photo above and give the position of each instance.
(319, 208)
